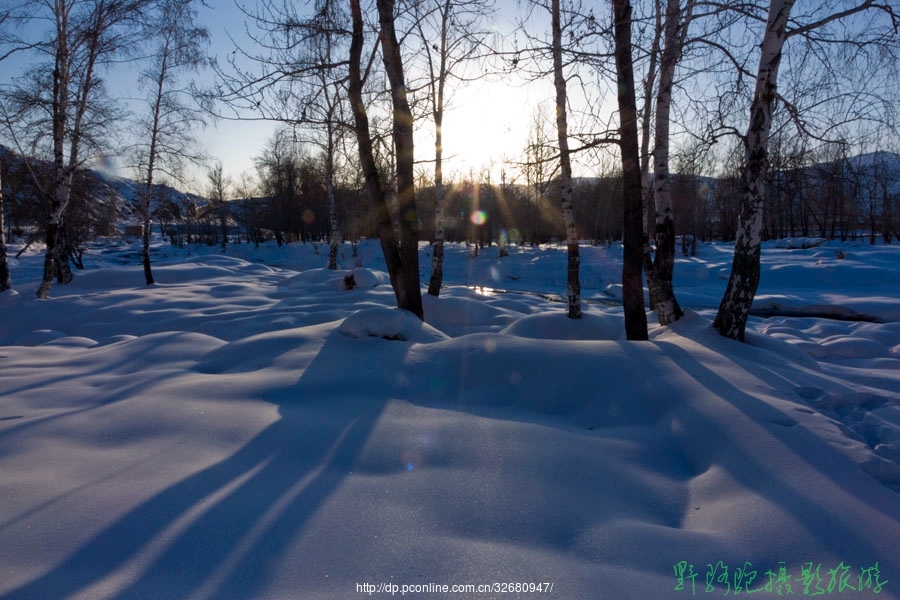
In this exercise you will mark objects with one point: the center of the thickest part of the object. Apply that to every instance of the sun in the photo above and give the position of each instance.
(485, 125)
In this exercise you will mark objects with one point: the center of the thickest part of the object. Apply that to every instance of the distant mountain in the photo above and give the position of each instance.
(868, 173)
(129, 191)
(124, 192)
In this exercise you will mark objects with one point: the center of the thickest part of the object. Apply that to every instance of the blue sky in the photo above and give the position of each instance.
(486, 123)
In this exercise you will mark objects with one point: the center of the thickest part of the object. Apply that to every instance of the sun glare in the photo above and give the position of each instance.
(486, 125)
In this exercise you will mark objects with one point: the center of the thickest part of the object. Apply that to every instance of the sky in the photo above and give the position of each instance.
(486, 125)
(486, 122)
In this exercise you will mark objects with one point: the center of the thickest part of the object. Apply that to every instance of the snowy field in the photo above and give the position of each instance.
(250, 428)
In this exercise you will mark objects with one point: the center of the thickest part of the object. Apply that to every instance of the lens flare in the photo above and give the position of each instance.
(479, 217)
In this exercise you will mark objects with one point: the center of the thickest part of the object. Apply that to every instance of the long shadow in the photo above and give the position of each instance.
(208, 533)
(835, 534)
(124, 367)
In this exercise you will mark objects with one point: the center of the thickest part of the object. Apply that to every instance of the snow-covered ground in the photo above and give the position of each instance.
(250, 428)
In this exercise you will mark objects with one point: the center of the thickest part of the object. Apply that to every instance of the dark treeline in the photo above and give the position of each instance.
(846, 198)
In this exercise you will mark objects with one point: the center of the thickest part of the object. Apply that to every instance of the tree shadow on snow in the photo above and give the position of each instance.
(217, 533)
(818, 511)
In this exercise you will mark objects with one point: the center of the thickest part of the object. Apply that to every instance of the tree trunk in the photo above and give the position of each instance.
(5, 279)
(59, 195)
(647, 112)
(64, 273)
(403, 146)
(223, 225)
(145, 206)
(573, 285)
(662, 292)
(329, 193)
(632, 233)
(437, 257)
(151, 163)
(731, 320)
(649, 226)
(377, 195)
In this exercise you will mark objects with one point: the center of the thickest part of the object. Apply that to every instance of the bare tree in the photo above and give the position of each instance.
(659, 277)
(632, 287)
(326, 100)
(573, 285)
(744, 280)
(402, 259)
(61, 103)
(5, 279)
(179, 46)
(649, 86)
(219, 184)
(296, 77)
(734, 309)
(538, 168)
(403, 147)
(571, 26)
(450, 35)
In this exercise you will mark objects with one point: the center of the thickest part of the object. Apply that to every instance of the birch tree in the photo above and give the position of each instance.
(450, 35)
(659, 275)
(632, 233)
(60, 104)
(573, 29)
(326, 100)
(734, 309)
(219, 185)
(405, 160)
(5, 279)
(179, 47)
(573, 285)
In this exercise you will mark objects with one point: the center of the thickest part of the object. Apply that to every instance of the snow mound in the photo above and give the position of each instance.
(614, 290)
(73, 341)
(457, 313)
(326, 280)
(390, 324)
(558, 326)
(368, 278)
(39, 337)
(783, 348)
(848, 347)
(314, 280)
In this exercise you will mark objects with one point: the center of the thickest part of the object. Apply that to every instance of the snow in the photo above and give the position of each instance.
(251, 426)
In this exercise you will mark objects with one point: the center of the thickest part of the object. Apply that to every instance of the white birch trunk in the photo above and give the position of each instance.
(65, 166)
(647, 113)
(662, 293)
(734, 309)
(437, 98)
(59, 109)
(5, 279)
(573, 285)
(329, 194)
